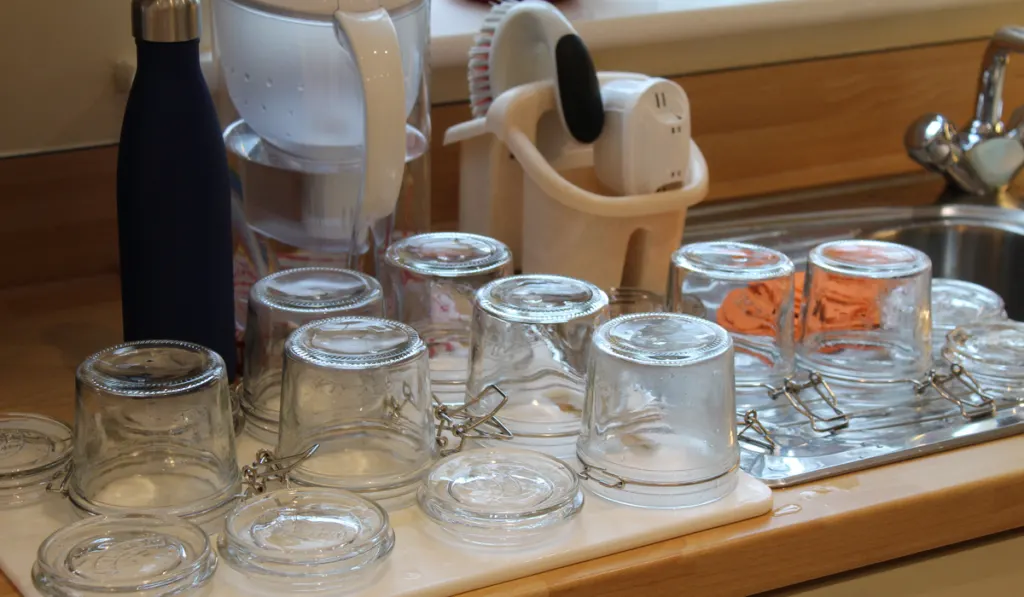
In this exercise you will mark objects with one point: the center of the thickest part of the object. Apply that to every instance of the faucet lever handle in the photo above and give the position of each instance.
(988, 110)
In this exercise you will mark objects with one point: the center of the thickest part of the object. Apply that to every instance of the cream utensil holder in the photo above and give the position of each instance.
(526, 184)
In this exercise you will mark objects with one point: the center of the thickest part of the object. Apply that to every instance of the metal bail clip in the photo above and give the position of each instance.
(982, 406)
(58, 483)
(462, 425)
(791, 389)
(762, 440)
(268, 467)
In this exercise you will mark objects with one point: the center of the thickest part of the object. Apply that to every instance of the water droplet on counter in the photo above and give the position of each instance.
(246, 77)
(270, 83)
(291, 112)
(301, 88)
(264, 106)
(813, 492)
(412, 576)
(786, 510)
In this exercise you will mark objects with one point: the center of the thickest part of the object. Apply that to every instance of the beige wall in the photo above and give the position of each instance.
(57, 63)
(57, 60)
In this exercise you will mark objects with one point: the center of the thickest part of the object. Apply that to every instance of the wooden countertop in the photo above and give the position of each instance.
(817, 529)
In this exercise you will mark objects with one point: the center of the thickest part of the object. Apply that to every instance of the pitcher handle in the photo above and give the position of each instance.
(371, 38)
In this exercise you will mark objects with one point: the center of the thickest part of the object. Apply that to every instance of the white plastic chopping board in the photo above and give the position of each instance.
(426, 563)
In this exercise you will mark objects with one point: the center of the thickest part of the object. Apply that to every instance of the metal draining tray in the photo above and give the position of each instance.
(984, 245)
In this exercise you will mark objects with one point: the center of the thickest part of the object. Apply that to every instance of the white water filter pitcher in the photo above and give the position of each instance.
(329, 83)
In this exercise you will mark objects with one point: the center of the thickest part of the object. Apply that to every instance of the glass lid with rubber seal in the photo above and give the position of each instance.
(33, 450)
(133, 554)
(501, 496)
(306, 539)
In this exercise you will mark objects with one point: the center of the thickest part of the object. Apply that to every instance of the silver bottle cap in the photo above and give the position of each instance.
(165, 20)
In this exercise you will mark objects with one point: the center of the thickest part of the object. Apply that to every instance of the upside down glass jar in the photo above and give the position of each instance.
(431, 282)
(359, 389)
(867, 312)
(279, 304)
(154, 433)
(531, 336)
(659, 420)
(993, 353)
(956, 303)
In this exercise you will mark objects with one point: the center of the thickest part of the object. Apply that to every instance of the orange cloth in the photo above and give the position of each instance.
(843, 304)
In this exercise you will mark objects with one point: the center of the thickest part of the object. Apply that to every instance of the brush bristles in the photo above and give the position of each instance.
(479, 71)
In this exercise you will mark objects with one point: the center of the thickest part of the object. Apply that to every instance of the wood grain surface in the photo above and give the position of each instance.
(818, 529)
(763, 130)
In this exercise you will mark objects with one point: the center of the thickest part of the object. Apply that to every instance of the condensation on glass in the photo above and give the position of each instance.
(139, 555)
(531, 335)
(749, 291)
(279, 304)
(867, 311)
(431, 282)
(154, 433)
(660, 413)
(359, 388)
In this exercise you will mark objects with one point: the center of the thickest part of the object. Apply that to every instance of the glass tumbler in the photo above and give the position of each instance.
(659, 420)
(278, 305)
(432, 280)
(956, 303)
(153, 433)
(531, 335)
(748, 290)
(359, 388)
(867, 312)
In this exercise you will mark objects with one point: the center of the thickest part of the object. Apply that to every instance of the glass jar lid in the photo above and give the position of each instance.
(500, 496)
(538, 298)
(956, 303)
(312, 289)
(870, 259)
(448, 254)
(354, 343)
(132, 554)
(664, 339)
(728, 260)
(993, 352)
(33, 449)
(151, 368)
(306, 537)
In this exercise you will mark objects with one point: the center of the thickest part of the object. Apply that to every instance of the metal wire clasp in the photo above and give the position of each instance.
(462, 425)
(983, 406)
(268, 467)
(58, 483)
(763, 439)
(791, 389)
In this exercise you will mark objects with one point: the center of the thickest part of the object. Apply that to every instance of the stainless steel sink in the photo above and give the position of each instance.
(979, 244)
(898, 421)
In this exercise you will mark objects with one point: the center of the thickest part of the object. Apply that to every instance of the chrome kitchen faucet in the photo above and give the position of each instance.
(985, 157)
